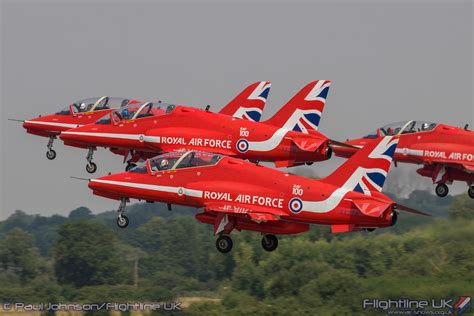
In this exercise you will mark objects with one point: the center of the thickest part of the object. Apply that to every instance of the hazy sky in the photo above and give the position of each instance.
(388, 61)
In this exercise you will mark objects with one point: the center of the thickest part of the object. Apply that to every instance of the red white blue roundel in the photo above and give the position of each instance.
(295, 205)
(242, 145)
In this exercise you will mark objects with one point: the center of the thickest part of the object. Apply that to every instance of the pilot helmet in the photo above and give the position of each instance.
(424, 126)
(164, 164)
(82, 106)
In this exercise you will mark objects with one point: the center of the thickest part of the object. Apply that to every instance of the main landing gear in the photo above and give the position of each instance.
(269, 242)
(442, 190)
(51, 154)
(122, 220)
(90, 167)
(224, 243)
(470, 192)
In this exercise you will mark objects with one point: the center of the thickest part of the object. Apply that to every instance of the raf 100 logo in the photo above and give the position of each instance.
(297, 190)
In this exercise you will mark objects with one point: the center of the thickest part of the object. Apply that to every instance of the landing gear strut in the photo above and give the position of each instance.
(269, 242)
(442, 190)
(122, 220)
(51, 154)
(130, 165)
(224, 243)
(90, 167)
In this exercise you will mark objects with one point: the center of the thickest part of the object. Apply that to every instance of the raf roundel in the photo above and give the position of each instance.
(295, 205)
(242, 145)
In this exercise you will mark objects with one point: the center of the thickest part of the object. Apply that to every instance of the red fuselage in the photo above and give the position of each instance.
(187, 128)
(54, 124)
(447, 146)
(235, 187)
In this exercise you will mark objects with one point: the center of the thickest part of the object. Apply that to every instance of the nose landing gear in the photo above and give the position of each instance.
(122, 220)
(90, 167)
(51, 154)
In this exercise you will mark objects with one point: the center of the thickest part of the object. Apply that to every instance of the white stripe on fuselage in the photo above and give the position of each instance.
(160, 188)
(54, 124)
(108, 135)
(336, 197)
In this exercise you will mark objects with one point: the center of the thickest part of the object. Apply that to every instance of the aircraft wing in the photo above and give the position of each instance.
(255, 213)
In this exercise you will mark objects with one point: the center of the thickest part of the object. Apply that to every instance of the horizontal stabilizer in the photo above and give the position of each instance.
(341, 144)
(308, 143)
(411, 210)
(284, 163)
(371, 207)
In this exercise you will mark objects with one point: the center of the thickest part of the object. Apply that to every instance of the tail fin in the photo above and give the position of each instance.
(367, 169)
(303, 112)
(249, 104)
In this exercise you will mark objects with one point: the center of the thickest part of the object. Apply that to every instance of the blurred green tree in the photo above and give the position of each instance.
(87, 254)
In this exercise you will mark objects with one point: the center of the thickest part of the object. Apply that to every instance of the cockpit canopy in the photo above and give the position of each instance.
(94, 104)
(137, 111)
(178, 160)
(405, 127)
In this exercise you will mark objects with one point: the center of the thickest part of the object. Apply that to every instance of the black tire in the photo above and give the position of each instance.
(224, 244)
(369, 229)
(442, 190)
(122, 221)
(470, 192)
(130, 166)
(269, 242)
(51, 154)
(91, 167)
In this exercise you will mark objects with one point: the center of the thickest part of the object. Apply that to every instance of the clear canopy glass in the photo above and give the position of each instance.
(405, 127)
(94, 104)
(137, 111)
(180, 160)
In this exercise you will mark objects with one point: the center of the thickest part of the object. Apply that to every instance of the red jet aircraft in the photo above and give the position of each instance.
(446, 152)
(122, 130)
(237, 194)
(289, 138)
(77, 114)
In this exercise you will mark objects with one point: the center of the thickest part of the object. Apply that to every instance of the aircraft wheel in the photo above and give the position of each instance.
(442, 190)
(269, 242)
(369, 229)
(91, 167)
(224, 243)
(130, 166)
(51, 154)
(470, 192)
(122, 221)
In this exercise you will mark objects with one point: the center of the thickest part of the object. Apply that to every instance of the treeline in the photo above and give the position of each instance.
(85, 258)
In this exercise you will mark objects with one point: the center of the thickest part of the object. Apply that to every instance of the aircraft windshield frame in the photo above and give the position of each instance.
(407, 127)
(181, 160)
(404, 127)
(93, 104)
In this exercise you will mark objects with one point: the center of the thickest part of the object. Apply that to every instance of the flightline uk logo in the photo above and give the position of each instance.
(404, 306)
